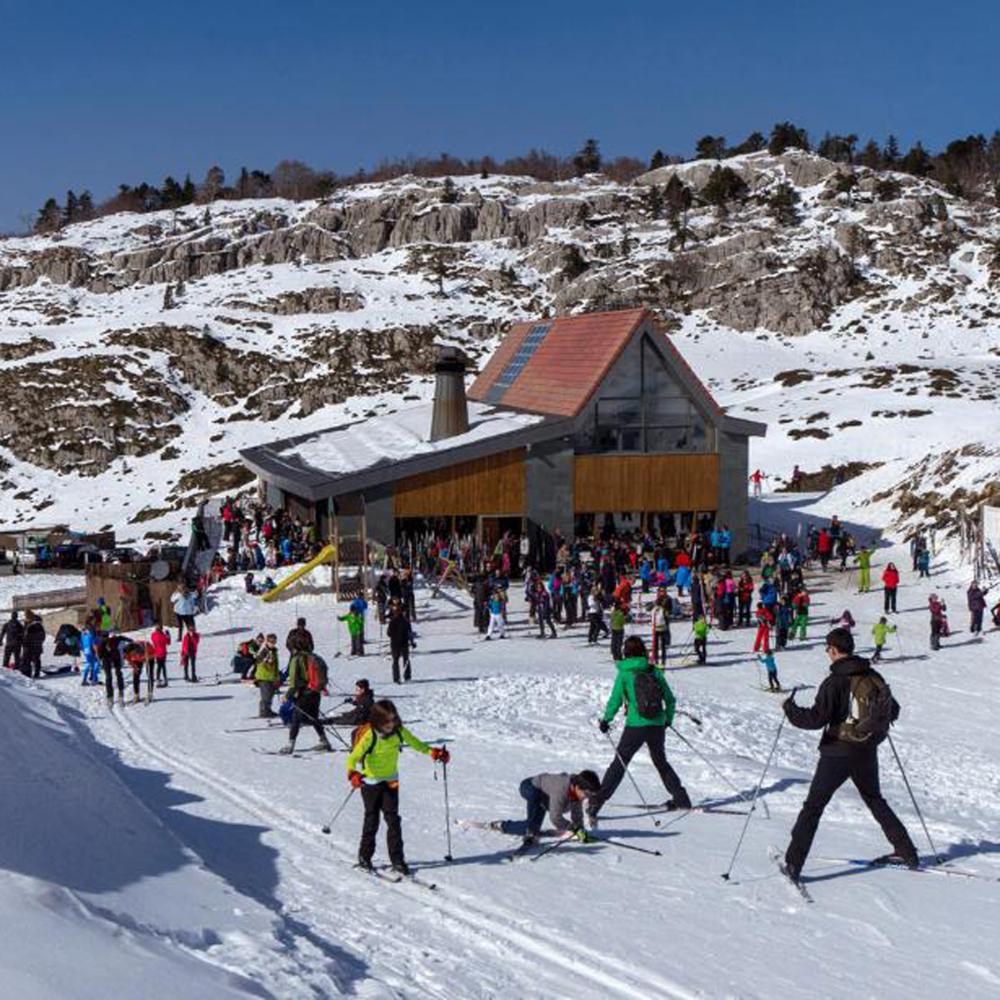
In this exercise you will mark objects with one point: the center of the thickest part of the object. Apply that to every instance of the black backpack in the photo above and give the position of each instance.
(870, 712)
(648, 694)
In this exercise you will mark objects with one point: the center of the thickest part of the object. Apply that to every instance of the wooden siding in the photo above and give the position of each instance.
(645, 482)
(491, 485)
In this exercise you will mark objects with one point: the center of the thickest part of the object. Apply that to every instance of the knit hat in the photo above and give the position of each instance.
(841, 640)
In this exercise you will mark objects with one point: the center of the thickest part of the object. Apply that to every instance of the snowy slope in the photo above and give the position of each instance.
(867, 332)
(210, 851)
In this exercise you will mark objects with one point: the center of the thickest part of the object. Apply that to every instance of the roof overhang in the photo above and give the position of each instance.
(292, 475)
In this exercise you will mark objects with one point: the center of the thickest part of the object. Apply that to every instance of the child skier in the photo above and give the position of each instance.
(355, 629)
(784, 616)
(772, 670)
(700, 630)
(845, 621)
(88, 647)
(189, 655)
(801, 603)
(880, 630)
(373, 766)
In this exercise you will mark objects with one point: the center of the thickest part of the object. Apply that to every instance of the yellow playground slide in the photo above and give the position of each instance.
(325, 555)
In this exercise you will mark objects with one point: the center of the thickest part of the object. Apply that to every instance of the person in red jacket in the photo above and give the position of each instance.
(765, 619)
(890, 583)
(189, 655)
(824, 547)
(159, 639)
(744, 593)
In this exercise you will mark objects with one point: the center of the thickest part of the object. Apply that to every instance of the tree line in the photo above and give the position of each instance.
(969, 168)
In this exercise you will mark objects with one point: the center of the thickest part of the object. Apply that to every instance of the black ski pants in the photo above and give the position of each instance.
(632, 738)
(381, 798)
(861, 766)
(661, 643)
(701, 650)
(890, 599)
(12, 651)
(267, 690)
(400, 651)
(543, 620)
(31, 661)
(537, 803)
(137, 678)
(617, 640)
(113, 677)
(306, 711)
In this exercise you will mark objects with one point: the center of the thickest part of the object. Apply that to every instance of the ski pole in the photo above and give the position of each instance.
(333, 819)
(447, 807)
(712, 767)
(552, 847)
(624, 846)
(638, 791)
(938, 859)
(756, 792)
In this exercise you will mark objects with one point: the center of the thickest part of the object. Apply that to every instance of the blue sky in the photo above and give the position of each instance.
(92, 95)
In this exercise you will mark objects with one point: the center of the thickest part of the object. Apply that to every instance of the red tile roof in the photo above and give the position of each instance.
(565, 368)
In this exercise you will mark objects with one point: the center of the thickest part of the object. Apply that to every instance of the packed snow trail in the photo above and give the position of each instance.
(585, 921)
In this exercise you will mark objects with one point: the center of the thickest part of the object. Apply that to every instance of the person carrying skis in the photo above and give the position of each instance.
(854, 707)
(355, 629)
(557, 794)
(880, 630)
(863, 558)
(649, 706)
(890, 584)
(398, 631)
(267, 676)
(771, 665)
(373, 766)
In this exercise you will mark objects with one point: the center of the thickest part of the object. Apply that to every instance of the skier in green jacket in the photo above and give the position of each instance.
(649, 709)
(880, 631)
(373, 766)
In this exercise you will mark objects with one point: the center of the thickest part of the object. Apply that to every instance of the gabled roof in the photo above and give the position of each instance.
(554, 366)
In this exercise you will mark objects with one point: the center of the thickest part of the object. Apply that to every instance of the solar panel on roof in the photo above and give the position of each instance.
(515, 366)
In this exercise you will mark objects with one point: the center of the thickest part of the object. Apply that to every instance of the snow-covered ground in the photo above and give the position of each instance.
(163, 831)
(32, 582)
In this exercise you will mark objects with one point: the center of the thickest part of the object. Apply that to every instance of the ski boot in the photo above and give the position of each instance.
(899, 860)
(324, 746)
(288, 748)
(401, 868)
(365, 864)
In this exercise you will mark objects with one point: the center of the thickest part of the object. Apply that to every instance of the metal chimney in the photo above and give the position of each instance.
(451, 410)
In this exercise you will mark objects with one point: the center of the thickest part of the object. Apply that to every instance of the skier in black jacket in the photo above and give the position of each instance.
(841, 758)
(11, 636)
(362, 701)
(398, 631)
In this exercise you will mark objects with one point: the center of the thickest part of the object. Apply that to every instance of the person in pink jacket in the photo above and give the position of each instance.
(189, 655)
(159, 639)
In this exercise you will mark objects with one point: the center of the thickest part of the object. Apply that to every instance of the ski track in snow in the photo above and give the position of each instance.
(611, 923)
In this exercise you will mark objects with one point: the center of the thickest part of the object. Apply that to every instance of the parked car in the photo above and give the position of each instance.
(123, 554)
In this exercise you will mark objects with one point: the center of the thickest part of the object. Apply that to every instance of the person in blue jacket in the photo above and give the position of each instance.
(768, 595)
(725, 544)
(88, 647)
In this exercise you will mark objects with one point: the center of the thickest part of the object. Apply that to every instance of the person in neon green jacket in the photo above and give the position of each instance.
(373, 766)
(864, 561)
(637, 679)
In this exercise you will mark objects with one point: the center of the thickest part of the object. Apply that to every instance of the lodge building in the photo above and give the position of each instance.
(578, 423)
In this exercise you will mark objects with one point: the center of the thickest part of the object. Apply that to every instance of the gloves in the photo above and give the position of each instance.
(604, 725)
(582, 836)
(789, 703)
(440, 755)
(354, 777)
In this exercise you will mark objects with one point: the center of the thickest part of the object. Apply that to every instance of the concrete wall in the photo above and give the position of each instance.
(548, 485)
(733, 472)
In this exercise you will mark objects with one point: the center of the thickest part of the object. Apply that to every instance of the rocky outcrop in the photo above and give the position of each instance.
(309, 300)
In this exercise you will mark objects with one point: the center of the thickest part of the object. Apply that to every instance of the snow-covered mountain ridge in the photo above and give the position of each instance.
(138, 353)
